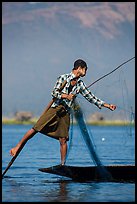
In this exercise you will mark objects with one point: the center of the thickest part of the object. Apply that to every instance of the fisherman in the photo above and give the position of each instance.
(55, 120)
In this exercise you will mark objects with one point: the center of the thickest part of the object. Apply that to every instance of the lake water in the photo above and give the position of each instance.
(24, 183)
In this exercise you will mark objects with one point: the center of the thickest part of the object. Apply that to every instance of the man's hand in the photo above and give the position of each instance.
(110, 106)
(68, 96)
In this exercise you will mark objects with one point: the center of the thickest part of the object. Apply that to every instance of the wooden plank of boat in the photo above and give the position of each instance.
(121, 173)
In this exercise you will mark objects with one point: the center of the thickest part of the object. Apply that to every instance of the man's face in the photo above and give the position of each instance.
(82, 71)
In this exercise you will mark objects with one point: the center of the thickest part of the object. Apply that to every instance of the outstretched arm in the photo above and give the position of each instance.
(110, 106)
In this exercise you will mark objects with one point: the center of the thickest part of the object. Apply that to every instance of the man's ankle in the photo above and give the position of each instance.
(62, 163)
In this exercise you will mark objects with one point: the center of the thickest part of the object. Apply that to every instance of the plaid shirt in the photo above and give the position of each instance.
(80, 87)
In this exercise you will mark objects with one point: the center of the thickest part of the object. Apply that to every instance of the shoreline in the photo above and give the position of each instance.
(13, 121)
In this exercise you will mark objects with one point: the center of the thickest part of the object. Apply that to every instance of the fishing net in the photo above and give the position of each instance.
(125, 112)
(101, 169)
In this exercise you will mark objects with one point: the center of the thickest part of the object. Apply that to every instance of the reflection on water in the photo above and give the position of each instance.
(63, 190)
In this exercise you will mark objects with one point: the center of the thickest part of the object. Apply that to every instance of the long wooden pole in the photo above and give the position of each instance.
(19, 150)
(12, 160)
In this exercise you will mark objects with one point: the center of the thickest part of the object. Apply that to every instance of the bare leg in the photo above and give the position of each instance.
(29, 134)
(63, 149)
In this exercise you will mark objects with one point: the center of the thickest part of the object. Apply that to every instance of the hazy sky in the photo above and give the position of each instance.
(41, 40)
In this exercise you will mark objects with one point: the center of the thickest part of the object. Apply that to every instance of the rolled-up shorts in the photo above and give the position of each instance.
(54, 122)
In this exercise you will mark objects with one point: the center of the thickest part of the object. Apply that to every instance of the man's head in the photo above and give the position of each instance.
(80, 63)
(80, 67)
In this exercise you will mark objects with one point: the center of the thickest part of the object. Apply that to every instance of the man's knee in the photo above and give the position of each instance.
(62, 141)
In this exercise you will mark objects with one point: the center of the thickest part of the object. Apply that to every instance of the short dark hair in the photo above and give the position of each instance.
(80, 63)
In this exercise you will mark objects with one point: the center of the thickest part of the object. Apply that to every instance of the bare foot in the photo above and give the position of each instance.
(13, 151)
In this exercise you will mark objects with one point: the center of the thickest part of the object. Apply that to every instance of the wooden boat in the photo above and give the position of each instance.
(118, 173)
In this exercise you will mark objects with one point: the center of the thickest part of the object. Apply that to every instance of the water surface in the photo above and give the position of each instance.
(24, 183)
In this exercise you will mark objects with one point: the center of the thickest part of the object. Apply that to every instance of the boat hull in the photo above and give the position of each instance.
(91, 173)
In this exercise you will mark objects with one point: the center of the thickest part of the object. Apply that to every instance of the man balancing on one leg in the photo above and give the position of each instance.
(55, 120)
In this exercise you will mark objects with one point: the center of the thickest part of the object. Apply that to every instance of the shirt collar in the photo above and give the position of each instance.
(72, 76)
